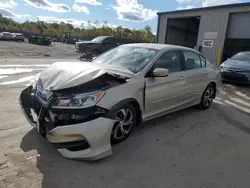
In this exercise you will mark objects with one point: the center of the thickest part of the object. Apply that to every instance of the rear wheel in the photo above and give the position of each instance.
(125, 116)
(207, 97)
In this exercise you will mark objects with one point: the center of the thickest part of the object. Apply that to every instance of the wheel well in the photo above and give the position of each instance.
(138, 111)
(214, 86)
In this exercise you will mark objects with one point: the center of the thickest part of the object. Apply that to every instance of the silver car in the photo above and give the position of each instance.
(84, 107)
(237, 68)
(18, 37)
(6, 36)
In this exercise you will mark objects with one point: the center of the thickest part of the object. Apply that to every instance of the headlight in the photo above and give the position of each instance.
(78, 101)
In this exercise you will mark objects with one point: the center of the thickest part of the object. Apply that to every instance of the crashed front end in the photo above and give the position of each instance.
(78, 132)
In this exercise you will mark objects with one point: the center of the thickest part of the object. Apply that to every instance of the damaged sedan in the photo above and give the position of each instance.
(82, 108)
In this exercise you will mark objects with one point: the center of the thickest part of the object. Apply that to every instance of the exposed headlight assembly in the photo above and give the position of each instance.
(78, 101)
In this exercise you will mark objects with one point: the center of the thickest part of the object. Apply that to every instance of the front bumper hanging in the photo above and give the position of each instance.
(87, 139)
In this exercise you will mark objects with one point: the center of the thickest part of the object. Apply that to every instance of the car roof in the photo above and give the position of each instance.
(160, 46)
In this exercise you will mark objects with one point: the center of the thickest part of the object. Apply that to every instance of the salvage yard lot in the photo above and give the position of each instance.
(190, 148)
(26, 50)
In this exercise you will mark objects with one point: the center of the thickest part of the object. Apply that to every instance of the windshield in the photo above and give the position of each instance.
(131, 58)
(242, 56)
(98, 39)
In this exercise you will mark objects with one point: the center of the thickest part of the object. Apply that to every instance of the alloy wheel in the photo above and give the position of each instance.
(123, 125)
(208, 97)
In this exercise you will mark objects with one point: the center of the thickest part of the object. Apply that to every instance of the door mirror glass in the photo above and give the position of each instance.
(160, 72)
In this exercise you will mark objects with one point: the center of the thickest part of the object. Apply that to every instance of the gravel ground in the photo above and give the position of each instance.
(25, 50)
(189, 148)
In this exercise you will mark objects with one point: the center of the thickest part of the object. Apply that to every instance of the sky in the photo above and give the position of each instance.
(84, 13)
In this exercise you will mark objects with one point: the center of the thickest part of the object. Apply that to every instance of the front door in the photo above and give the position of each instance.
(164, 94)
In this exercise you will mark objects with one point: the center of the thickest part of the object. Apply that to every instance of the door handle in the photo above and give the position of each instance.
(181, 78)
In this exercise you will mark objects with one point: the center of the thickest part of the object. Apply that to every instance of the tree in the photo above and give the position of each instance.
(86, 29)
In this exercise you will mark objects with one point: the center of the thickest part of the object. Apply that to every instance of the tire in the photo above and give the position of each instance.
(207, 97)
(124, 126)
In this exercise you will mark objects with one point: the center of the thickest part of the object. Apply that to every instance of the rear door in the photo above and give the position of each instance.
(163, 94)
(196, 74)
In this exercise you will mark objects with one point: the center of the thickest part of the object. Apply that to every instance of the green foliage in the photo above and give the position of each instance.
(58, 29)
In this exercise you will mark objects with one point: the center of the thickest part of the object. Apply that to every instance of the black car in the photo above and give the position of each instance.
(40, 40)
(99, 45)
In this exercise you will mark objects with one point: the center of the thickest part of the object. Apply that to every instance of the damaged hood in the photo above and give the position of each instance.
(62, 75)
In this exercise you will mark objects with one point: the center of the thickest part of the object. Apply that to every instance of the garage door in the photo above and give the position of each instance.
(239, 26)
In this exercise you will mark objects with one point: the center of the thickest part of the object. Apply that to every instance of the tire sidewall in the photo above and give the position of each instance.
(112, 114)
(202, 106)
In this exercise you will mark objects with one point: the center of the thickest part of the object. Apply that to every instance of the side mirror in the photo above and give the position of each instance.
(160, 72)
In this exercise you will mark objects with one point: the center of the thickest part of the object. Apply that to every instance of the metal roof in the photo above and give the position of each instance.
(207, 8)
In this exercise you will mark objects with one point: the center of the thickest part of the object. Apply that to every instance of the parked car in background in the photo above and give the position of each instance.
(84, 107)
(237, 68)
(17, 37)
(99, 45)
(6, 36)
(40, 40)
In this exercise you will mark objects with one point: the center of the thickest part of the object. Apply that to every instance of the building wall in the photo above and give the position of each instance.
(212, 20)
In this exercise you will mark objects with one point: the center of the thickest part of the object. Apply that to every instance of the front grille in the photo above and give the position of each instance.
(235, 77)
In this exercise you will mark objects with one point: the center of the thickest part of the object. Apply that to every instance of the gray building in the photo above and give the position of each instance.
(218, 32)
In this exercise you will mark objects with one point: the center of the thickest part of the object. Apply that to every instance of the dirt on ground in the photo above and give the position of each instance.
(190, 148)
(186, 149)
(25, 50)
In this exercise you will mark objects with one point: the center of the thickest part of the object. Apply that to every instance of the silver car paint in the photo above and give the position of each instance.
(155, 96)
(163, 95)
(63, 75)
(96, 132)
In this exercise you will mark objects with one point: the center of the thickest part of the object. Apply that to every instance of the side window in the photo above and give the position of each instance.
(110, 41)
(192, 60)
(170, 61)
(203, 61)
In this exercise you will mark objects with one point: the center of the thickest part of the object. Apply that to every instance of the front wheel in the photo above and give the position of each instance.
(125, 117)
(207, 97)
